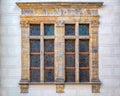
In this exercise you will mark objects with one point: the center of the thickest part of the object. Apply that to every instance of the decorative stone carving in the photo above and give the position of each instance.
(27, 11)
(24, 24)
(95, 23)
(96, 88)
(94, 12)
(24, 85)
(60, 23)
(60, 88)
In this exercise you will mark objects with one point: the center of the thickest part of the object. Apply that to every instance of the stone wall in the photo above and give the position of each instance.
(109, 53)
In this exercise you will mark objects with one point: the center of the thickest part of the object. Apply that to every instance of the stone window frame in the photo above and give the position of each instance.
(29, 16)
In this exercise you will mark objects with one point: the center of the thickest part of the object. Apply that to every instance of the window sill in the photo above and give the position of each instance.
(65, 83)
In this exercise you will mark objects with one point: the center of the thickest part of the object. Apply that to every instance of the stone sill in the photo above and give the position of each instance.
(65, 83)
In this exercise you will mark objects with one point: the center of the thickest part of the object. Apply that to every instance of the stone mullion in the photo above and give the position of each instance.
(42, 52)
(77, 52)
(59, 54)
(25, 74)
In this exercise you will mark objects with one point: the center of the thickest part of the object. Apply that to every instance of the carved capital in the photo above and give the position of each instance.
(60, 88)
(95, 23)
(59, 23)
(24, 24)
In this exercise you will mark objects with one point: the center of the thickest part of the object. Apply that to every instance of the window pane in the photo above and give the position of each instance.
(70, 75)
(49, 76)
(84, 60)
(83, 46)
(35, 45)
(35, 76)
(84, 76)
(70, 29)
(69, 60)
(49, 60)
(49, 29)
(84, 29)
(35, 60)
(49, 45)
(70, 45)
(34, 30)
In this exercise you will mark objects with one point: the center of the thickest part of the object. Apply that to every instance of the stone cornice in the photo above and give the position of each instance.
(25, 5)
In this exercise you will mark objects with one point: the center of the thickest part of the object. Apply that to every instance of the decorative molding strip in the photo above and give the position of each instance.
(25, 5)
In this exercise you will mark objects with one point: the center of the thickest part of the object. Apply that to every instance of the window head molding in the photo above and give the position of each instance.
(53, 13)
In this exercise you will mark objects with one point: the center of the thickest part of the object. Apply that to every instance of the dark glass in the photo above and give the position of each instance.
(49, 60)
(34, 29)
(70, 45)
(35, 75)
(49, 45)
(69, 60)
(84, 76)
(83, 46)
(49, 75)
(49, 29)
(35, 45)
(70, 29)
(84, 60)
(34, 60)
(84, 29)
(70, 75)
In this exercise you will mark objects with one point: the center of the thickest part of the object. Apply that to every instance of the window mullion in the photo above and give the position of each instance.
(42, 53)
(76, 53)
(77, 60)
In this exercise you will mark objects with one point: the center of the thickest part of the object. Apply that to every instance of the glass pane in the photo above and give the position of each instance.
(49, 45)
(84, 60)
(49, 60)
(69, 29)
(35, 75)
(70, 75)
(49, 29)
(69, 60)
(35, 45)
(84, 29)
(49, 76)
(70, 45)
(83, 46)
(35, 60)
(34, 29)
(84, 76)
